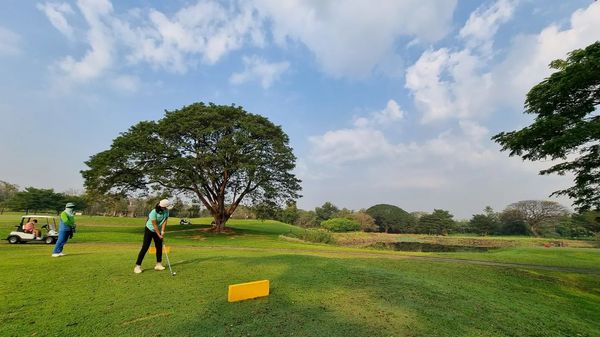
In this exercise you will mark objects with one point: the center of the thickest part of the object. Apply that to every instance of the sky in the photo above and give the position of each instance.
(384, 101)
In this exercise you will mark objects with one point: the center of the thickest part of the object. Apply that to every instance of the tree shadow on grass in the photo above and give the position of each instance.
(318, 296)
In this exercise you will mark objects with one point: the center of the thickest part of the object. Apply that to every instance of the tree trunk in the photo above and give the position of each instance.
(533, 229)
(219, 222)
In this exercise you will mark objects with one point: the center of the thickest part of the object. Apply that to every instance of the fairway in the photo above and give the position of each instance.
(316, 290)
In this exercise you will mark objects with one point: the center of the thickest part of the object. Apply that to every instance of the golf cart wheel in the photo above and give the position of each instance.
(49, 240)
(13, 239)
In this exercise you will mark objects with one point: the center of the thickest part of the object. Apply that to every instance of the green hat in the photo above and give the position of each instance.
(70, 205)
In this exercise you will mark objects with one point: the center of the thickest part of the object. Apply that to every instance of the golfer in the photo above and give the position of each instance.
(65, 230)
(155, 229)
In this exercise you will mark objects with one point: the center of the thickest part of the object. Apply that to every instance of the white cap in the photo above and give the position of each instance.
(165, 203)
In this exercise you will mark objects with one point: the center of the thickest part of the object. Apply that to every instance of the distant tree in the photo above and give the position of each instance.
(418, 214)
(114, 204)
(289, 214)
(462, 226)
(366, 222)
(36, 199)
(391, 219)
(219, 154)
(244, 212)
(326, 211)
(512, 222)
(178, 208)
(590, 220)
(193, 210)
(566, 125)
(7, 191)
(266, 210)
(344, 213)
(487, 223)
(306, 219)
(536, 214)
(439, 222)
(340, 225)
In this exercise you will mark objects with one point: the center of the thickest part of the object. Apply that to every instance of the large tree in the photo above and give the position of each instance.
(391, 219)
(536, 214)
(566, 125)
(219, 154)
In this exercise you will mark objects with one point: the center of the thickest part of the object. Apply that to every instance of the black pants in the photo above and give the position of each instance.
(148, 236)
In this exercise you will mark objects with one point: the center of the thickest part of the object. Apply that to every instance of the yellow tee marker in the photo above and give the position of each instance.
(152, 249)
(245, 291)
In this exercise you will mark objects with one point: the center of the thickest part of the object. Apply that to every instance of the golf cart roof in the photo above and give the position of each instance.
(39, 216)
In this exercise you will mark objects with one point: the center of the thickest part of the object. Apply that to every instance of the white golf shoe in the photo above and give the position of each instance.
(137, 269)
(55, 255)
(159, 267)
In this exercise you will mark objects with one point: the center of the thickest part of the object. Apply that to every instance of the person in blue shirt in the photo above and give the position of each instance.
(65, 230)
(154, 230)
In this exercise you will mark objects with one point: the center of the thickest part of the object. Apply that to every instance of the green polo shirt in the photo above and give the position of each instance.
(159, 217)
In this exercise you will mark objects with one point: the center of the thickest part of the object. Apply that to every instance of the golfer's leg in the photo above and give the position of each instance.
(145, 246)
(158, 244)
(60, 243)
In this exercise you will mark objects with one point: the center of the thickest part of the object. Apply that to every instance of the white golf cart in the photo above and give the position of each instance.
(49, 234)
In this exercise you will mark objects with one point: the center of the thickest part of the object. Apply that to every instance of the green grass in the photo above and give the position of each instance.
(316, 290)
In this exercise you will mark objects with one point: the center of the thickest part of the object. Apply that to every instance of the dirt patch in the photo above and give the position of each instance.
(226, 230)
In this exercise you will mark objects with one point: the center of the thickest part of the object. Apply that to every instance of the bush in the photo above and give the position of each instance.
(312, 235)
(340, 225)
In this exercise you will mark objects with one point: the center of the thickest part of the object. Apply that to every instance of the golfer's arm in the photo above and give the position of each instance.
(155, 225)
(164, 227)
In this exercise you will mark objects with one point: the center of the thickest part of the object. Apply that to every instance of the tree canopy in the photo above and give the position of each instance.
(391, 218)
(219, 154)
(439, 222)
(536, 214)
(566, 126)
(39, 199)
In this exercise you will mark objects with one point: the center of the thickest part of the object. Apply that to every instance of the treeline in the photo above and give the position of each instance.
(36, 200)
(528, 217)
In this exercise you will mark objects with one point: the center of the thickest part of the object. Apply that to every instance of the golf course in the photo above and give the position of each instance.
(525, 289)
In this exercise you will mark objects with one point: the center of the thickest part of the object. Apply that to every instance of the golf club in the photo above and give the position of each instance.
(168, 262)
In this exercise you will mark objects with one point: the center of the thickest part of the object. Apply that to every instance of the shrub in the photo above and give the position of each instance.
(312, 235)
(340, 225)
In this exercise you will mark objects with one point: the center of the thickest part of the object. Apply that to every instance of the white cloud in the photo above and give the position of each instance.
(99, 56)
(351, 38)
(257, 69)
(56, 14)
(454, 84)
(9, 42)
(390, 114)
(206, 29)
(468, 84)
(529, 56)
(483, 23)
(126, 83)
(473, 130)
(346, 145)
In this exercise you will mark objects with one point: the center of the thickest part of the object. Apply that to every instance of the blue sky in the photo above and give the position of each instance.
(393, 103)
